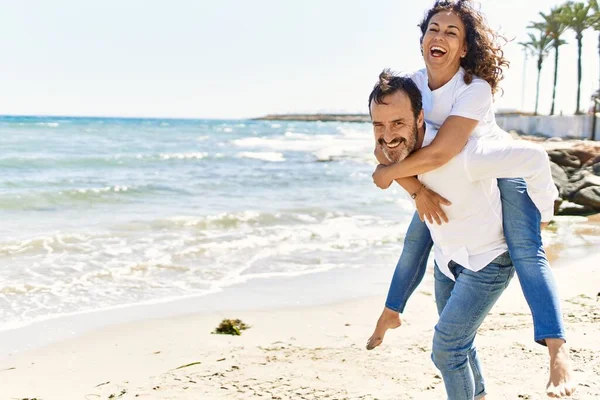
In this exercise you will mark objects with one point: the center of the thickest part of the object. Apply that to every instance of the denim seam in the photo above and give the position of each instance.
(474, 367)
(466, 377)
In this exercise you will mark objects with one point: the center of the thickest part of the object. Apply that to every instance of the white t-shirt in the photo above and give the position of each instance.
(473, 237)
(473, 101)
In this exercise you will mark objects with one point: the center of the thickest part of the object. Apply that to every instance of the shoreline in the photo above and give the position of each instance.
(259, 294)
(270, 293)
(294, 346)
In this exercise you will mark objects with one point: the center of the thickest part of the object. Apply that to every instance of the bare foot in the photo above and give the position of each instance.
(560, 384)
(389, 319)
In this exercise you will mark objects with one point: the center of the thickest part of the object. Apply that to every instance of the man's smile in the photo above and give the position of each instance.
(393, 144)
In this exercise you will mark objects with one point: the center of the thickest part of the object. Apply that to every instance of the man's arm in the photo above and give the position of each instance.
(471, 106)
(515, 159)
(427, 201)
(448, 142)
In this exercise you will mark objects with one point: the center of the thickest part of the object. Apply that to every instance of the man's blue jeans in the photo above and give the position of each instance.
(462, 306)
(521, 220)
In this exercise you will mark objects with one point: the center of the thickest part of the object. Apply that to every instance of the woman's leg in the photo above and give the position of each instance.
(409, 272)
(472, 296)
(522, 221)
(411, 266)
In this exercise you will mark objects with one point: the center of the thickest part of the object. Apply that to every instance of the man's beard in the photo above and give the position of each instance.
(401, 152)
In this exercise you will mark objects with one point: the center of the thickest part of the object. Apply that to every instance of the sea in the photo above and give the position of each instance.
(108, 212)
(102, 213)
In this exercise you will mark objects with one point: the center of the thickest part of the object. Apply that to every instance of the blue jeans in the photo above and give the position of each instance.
(521, 220)
(462, 306)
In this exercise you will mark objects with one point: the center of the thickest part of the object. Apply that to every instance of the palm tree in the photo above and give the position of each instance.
(555, 27)
(576, 16)
(540, 48)
(596, 16)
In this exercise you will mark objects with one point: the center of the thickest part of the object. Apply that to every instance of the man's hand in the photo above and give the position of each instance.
(429, 205)
(543, 225)
(380, 177)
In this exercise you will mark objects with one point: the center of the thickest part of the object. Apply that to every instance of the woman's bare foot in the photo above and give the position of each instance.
(389, 319)
(560, 384)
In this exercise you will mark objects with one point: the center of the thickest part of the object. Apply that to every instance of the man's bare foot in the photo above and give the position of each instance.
(389, 319)
(560, 384)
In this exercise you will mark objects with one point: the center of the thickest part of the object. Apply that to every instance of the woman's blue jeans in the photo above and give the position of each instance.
(462, 305)
(521, 220)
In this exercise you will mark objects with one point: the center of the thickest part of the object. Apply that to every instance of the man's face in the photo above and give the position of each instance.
(394, 126)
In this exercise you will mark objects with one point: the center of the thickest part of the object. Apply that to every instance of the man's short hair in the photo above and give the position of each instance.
(390, 83)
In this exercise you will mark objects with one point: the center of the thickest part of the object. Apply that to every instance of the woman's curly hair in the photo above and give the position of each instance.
(484, 57)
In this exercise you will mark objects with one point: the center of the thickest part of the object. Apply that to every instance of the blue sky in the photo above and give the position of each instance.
(237, 59)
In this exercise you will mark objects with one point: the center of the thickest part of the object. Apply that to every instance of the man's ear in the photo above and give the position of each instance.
(421, 119)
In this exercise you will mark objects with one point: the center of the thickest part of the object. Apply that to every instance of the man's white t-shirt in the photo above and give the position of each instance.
(473, 237)
(473, 101)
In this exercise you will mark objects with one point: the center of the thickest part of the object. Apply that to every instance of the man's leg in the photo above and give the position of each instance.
(471, 299)
(407, 276)
(443, 290)
(522, 221)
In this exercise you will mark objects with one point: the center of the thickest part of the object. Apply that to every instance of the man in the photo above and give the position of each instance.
(472, 263)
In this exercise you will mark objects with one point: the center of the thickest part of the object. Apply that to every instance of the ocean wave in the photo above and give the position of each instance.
(48, 124)
(19, 289)
(294, 135)
(181, 256)
(109, 161)
(353, 132)
(282, 143)
(348, 145)
(183, 156)
(227, 220)
(328, 154)
(263, 156)
(79, 196)
(45, 244)
(220, 221)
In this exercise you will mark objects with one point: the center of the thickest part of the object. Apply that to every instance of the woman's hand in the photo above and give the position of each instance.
(429, 205)
(380, 177)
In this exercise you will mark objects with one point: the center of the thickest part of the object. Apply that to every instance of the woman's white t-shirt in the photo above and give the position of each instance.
(473, 101)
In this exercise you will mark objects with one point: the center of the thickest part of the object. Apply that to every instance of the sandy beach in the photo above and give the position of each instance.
(309, 352)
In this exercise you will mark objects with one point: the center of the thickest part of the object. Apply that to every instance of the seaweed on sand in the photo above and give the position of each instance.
(231, 327)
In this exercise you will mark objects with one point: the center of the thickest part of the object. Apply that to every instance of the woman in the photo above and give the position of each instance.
(463, 68)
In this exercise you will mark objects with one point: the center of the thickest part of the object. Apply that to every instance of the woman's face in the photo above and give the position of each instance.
(444, 42)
